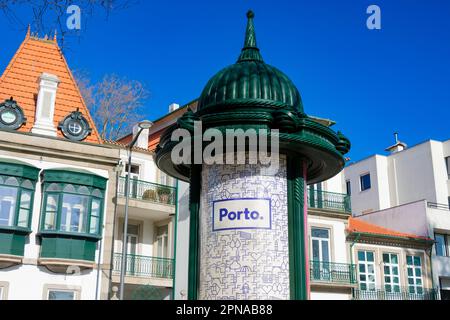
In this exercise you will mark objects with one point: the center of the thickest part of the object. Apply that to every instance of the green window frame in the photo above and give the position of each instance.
(73, 203)
(366, 270)
(391, 268)
(16, 202)
(414, 269)
(72, 208)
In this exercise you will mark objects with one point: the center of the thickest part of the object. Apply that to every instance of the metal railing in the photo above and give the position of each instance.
(440, 206)
(402, 294)
(145, 266)
(148, 191)
(332, 272)
(329, 200)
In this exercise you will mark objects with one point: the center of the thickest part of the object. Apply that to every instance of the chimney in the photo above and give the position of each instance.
(173, 107)
(45, 106)
(398, 146)
(142, 141)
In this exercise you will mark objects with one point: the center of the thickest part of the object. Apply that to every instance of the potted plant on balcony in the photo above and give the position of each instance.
(149, 194)
(164, 194)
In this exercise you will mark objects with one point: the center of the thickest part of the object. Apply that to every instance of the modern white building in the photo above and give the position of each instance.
(409, 191)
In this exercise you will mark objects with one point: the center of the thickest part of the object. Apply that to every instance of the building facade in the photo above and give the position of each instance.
(408, 191)
(57, 182)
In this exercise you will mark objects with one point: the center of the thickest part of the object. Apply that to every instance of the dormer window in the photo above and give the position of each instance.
(75, 126)
(11, 115)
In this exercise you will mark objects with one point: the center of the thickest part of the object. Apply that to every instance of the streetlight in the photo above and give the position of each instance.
(142, 126)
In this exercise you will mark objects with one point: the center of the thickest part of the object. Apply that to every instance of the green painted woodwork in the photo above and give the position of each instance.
(297, 257)
(145, 266)
(79, 177)
(331, 272)
(12, 242)
(194, 232)
(67, 246)
(9, 167)
(251, 94)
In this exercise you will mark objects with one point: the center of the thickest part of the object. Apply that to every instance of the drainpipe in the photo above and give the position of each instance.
(98, 269)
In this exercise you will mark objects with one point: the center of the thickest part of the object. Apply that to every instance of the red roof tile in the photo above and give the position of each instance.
(359, 226)
(20, 81)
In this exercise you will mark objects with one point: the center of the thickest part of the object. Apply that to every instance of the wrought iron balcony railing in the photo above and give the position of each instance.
(145, 266)
(329, 200)
(332, 272)
(148, 191)
(402, 294)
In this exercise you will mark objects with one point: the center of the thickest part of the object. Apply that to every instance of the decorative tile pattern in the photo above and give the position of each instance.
(244, 264)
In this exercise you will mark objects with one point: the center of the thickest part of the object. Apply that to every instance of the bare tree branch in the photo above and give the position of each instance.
(116, 103)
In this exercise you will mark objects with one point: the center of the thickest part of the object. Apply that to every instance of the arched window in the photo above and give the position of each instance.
(73, 202)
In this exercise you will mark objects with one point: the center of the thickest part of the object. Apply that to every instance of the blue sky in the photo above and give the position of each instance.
(371, 82)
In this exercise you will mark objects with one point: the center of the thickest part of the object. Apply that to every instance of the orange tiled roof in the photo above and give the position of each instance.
(357, 225)
(20, 81)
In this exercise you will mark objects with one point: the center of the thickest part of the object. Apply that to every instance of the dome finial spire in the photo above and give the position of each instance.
(250, 50)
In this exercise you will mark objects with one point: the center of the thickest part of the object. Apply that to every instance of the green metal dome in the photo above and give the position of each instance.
(250, 81)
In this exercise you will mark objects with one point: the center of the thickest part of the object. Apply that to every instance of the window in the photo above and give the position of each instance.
(445, 288)
(161, 241)
(61, 294)
(366, 270)
(391, 272)
(16, 201)
(414, 268)
(365, 181)
(72, 208)
(320, 239)
(348, 187)
(441, 244)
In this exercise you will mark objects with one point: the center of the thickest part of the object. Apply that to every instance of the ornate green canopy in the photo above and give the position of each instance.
(253, 94)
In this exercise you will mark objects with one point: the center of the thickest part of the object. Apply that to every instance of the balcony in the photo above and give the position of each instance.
(145, 266)
(403, 294)
(148, 191)
(329, 201)
(332, 273)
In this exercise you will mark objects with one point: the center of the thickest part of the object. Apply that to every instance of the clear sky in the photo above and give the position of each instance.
(371, 82)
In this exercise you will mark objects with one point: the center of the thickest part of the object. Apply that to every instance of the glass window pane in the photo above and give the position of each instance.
(23, 218)
(50, 212)
(370, 256)
(394, 258)
(409, 260)
(320, 233)
(53, 187)
(97, 193)
(74, 213)
(27, 184)
(365, 182)
(417, 261)
(361, 256)
(385, 257)
(440, 244)
(11, 181)
(8, 197)
(61, 295)
(95, 216)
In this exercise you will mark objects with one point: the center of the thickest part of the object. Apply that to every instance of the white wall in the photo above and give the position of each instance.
(407, 218)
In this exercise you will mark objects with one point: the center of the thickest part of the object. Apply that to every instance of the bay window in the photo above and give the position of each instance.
(71, 217)
(16, 196)
(72, 208)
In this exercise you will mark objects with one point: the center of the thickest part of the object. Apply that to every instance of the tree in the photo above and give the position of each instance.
(50, 16)
(115, 103)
